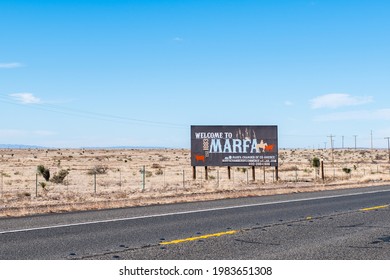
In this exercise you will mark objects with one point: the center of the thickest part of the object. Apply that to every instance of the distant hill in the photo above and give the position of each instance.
(21, 147)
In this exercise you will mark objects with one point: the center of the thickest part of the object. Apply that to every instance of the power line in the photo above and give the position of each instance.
(91, 115)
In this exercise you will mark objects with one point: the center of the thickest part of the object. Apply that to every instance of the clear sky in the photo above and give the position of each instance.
(108, 73)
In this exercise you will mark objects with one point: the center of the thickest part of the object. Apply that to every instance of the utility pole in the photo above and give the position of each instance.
(372, 143)
(355, 140)
(388, 146)
(332, 146)
(342, 143)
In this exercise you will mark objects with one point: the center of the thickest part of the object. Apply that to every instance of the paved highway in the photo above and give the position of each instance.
(346, 224)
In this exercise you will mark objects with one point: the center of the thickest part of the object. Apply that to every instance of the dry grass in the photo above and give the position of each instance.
(168, 178)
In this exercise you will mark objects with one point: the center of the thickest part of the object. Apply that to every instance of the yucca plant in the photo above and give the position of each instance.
(45, 172)
(59, 177)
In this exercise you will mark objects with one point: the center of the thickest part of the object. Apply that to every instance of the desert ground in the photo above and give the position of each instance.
(86, 179)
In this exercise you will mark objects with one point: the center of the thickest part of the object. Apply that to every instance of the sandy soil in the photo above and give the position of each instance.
(167, 177)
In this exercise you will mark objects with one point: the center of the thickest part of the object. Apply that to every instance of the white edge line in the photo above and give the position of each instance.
(188, 212)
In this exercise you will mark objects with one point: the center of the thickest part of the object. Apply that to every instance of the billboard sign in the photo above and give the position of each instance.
(234, 145)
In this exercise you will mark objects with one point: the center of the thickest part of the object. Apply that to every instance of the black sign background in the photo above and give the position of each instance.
(234, 146)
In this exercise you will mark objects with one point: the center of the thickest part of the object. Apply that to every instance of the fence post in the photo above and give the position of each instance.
(184, 180)
(218, 178)
(94, 181)
(1, 183)
(277, 173)
(143, 178)
(164, 177)
(264, 173)
(67, 184)
(36, 184)
(120, 180)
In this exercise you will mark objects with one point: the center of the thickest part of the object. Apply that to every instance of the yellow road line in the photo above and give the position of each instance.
(199, 237)
(375, 208)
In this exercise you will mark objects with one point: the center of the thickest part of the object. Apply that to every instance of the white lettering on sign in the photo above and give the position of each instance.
(233, 146)
(209, 135)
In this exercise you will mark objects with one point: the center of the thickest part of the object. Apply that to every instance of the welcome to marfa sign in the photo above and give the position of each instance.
(234, 146)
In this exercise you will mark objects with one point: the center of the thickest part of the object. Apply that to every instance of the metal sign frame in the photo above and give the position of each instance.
(234, 145)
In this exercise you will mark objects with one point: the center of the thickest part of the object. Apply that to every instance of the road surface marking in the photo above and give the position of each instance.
(191, 239)
(187, 212)
(375, 208)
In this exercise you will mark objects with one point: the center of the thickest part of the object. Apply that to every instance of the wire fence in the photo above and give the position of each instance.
(160, 179)
(122, 173)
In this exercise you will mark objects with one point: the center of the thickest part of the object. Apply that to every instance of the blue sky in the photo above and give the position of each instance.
(106, 73)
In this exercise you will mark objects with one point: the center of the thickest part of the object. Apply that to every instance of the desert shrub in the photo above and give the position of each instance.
(46, 175)
(148, 174)
(379, 157)
(159, 172)
(163, 158)
(347, 170)
(24, 195)
(315, 162)
(292, 168)
(98, 169)
(243, 170)
(59, 177)
(5, 175)
(40, 169)
(156, 166)
(45, 172)
(43, 185)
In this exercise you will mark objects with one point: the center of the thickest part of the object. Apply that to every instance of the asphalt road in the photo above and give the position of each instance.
(346, 224)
